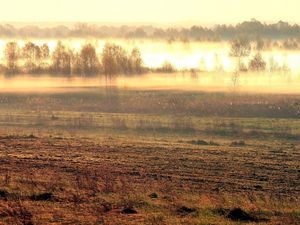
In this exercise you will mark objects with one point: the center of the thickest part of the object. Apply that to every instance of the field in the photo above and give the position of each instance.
(120, 156)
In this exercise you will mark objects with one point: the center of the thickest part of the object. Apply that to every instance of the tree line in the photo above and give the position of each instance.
(241, 48)
(35, 59)
(253, 30)
(114, 59)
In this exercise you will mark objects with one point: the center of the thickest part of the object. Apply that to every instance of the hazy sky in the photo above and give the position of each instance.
(153, 11)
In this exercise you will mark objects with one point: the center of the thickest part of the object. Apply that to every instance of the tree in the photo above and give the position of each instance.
(32, 55)
(31, 52)
(257, 63)
(240, 48)
(89, 59)
(166, 67)
(45, 54)
(76, 64)
(114, 60)
(138, 33)
(61, 59)
(12, 55)
(136, 61)
(259, 44)
(108, 60)
(66, 62)
(218, 63)
(45, 51)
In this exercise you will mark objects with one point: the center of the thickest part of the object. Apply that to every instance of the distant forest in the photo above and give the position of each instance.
(251, 29)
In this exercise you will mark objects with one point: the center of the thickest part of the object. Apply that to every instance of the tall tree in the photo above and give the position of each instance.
(136, 61)
(32, 55)
(45, 51)
(12, 55)
(61, 59)
(114, 60)
(240, 48)
(89, 59)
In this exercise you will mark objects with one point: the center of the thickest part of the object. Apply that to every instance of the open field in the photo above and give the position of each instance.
(93, 156)
(150, 112)
(91, 180)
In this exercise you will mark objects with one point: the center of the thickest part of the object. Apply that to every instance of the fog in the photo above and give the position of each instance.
(212, 58)
(211, 82)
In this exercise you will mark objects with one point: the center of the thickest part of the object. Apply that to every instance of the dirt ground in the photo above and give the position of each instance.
(84, 174)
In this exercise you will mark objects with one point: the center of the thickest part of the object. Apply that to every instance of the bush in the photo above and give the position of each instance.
(257, 64)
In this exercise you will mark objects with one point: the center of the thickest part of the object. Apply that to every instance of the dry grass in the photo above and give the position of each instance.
(149, 157)
(90, 181)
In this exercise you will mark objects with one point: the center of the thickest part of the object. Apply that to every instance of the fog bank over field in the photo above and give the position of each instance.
(41, 65)
(209, 82)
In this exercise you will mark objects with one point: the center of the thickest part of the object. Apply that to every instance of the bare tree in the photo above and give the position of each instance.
(61, 59)
(114, 60)
(45, 51)
(32, 54)
(89, 60)
(136, 61)
(12, 55)
(76, 64)
(240, 48)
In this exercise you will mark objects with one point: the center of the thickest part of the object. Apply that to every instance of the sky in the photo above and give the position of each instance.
(149, 11)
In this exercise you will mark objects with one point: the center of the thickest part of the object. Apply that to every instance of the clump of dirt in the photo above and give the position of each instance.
(202, 142)
(53, 117)
(238, 214)
(221, 211)
(129, 211)
(8, 195)
(258, 187)
(106, 206)
(183, 210)
(31, 136)
(153, 195)
(13, 137)
(42, 197)
(3, 194)
(238, 143)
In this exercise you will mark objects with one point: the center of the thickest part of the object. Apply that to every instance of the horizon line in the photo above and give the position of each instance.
(141, 23)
